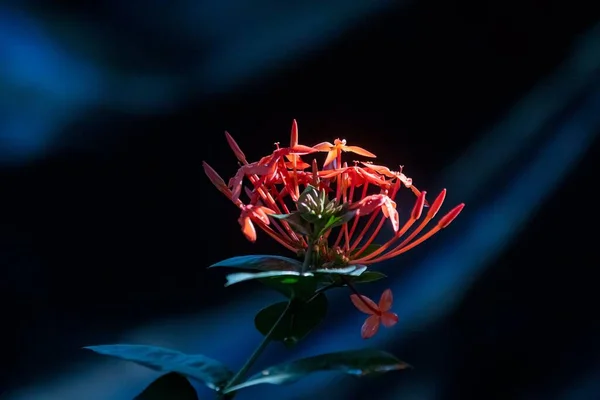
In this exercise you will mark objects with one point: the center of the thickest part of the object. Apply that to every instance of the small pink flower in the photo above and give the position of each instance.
(379, 313)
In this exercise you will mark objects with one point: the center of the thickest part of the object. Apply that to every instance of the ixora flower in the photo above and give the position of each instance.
(379, 313)
(331, 215)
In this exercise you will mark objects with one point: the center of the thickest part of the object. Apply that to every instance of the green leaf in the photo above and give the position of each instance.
(368, 276)
(368, 250)
(171, 386)
(350, 270)
(246, 276)
(298, 322)
(296, 222)
(211, 372)
(353, 362)
(300, 287)
(261, 263)
(335, 221)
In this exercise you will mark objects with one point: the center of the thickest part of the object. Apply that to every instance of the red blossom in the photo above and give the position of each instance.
(276, 181)
(379, 314)
(365, 192)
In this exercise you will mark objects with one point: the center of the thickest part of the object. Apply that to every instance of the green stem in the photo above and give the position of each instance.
(321, 290)
(258, 351)
(308, 256)
(267, 339)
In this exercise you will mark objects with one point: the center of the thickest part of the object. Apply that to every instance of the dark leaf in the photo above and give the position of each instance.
(350, 270)
(171, 386)
(301, 287)
(211, 372)
(368, 276)
(298, 322)
(368, 250)
(353, 362)
(246, 276)
(335, 221)
(296, 222)
(261, 263)
(281, 216)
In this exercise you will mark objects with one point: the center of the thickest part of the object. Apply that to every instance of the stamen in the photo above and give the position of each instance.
(415, 213)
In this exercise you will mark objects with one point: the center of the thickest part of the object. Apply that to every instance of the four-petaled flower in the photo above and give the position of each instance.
(379, 314)
(334, 151)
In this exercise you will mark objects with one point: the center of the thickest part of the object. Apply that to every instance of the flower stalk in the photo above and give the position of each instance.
(237, 378)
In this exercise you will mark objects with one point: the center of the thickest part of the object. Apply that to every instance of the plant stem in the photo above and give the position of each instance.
(267, 339)
(308, 256)
(321, 290)
(258, 351)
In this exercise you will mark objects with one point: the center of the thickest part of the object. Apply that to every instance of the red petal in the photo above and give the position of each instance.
(248, 228)
(359, 150)
(386, 300)
(389, 210)
(380, 169)
(300, 165)
(369, 204)
(325, 146)
(331, 156)
(301, 149)
(260, 212)
(389, 319)
(370, 309)
(370, 327)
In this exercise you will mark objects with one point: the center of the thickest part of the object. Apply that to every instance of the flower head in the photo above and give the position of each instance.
(379, 314)
(340, 208)
(332, 214)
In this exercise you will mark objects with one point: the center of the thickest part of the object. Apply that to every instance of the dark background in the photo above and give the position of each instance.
(108, 110)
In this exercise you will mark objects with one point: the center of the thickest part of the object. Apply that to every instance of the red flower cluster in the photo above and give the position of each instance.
(273, 185)
(273, 180)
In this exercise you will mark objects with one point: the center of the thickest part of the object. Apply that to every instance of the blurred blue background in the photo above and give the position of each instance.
(107, 110)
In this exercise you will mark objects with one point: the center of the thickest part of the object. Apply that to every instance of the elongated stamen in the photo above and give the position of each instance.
(338, 189)
(343, 178)
(381, 222)
(270, 202)
(294, 143)
(347, 233)
(274, 235)
(437, 204)
(407, 225)
(443, 223)
(254, 199)
(365, 228)
(266, 195)
(357, 217)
